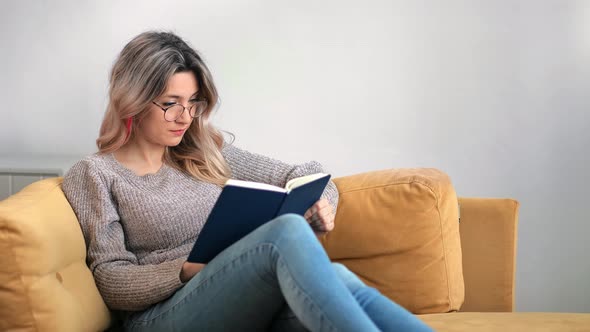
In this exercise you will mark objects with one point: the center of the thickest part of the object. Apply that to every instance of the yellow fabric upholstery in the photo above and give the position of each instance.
(488, 238)
(508, 322)
(45, 284)
(398, 230)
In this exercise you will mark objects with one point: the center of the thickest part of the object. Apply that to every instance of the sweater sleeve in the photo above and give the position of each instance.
(123, 283)
(250, 166)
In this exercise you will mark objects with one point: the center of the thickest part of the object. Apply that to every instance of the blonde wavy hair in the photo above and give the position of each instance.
(139, 75)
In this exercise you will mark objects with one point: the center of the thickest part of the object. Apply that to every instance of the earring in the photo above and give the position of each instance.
(128, 125)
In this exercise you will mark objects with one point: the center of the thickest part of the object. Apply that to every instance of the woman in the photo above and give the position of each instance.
(144, 197)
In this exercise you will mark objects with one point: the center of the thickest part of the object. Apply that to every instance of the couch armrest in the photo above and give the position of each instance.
(488, 240)
(44, 280)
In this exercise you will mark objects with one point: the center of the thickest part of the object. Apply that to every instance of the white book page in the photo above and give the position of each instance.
(254, 185)
(296, 182)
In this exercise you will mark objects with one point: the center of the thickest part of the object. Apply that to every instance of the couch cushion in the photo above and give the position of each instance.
(45, 284)
(398, 231)
(508, 322)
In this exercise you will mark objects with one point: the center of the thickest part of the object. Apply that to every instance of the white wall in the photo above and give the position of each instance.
(495, 93)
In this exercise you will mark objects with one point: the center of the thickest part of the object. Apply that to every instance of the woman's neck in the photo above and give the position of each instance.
(143, 155)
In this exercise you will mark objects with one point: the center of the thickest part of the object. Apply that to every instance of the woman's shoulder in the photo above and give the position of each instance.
(95, 164)
(95, 160)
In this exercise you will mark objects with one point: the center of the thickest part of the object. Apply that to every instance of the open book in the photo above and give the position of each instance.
(243, 206)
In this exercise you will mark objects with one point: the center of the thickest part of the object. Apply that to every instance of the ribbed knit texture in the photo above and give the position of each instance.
(139, 230)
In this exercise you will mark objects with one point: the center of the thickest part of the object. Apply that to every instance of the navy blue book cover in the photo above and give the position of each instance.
(240, 210)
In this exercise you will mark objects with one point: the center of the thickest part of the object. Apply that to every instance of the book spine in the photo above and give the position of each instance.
(280, 209)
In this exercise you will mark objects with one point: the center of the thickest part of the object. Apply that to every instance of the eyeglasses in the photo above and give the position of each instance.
(174, 111)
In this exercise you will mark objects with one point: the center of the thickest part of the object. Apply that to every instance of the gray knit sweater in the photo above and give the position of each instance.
(139, 230)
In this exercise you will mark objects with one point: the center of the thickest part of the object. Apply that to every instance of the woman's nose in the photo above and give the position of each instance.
(185, 117)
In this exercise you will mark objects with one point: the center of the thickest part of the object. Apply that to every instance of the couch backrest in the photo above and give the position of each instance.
(45, 284)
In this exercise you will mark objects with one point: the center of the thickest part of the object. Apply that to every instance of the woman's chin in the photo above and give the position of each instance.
(173, 142)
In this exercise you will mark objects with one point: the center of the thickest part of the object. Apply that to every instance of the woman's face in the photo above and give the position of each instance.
(182, 88)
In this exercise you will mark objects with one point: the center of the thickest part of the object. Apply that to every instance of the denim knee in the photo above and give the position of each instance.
(290, 223)
(288, 227)
(292, 217)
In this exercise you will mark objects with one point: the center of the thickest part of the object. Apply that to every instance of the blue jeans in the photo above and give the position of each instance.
(277, 278)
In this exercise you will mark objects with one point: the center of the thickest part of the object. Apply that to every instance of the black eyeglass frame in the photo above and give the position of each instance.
(193, 106)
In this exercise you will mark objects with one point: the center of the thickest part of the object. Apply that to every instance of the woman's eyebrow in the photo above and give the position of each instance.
(177, 97)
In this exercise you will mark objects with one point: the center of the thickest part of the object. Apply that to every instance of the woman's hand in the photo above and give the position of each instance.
(189, 270)
(321, 217)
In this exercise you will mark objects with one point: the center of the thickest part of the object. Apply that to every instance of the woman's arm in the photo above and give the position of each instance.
(250, 166)
(123, 283)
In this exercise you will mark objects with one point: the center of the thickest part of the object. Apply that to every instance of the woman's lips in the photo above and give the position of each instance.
(178, 132)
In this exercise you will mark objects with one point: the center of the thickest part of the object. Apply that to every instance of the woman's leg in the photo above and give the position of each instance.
(231, 293)
(310, 284)
(386, 314)
(247, 285)
(286, 321)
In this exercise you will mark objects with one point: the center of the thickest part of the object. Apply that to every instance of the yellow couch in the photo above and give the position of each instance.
(398, 229)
